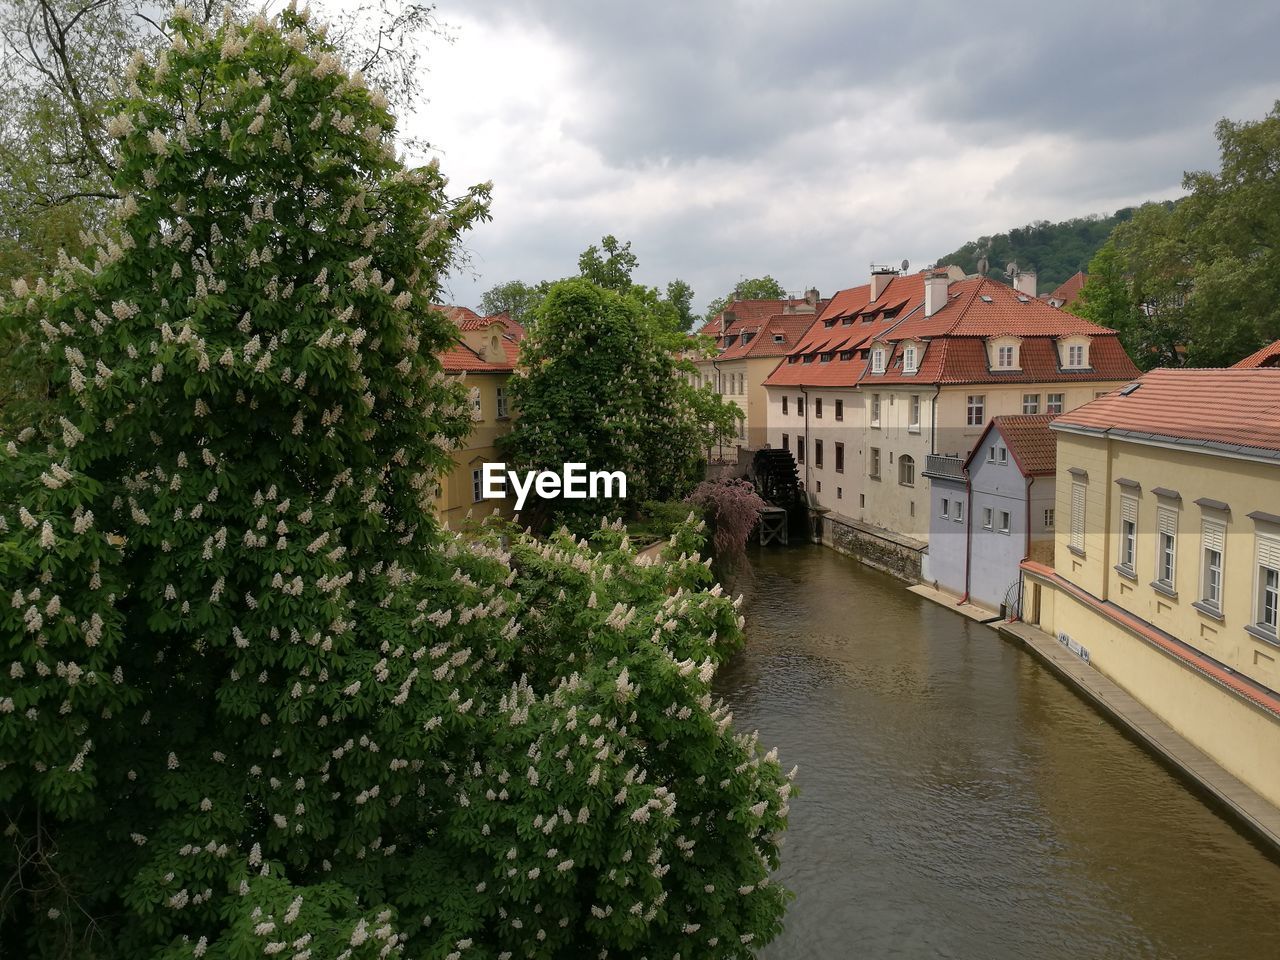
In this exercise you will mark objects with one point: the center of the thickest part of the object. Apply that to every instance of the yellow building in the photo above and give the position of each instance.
(484, 360)
(1166, 572)
(751, 336)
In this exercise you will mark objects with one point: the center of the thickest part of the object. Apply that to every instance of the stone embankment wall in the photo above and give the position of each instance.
(882, 549)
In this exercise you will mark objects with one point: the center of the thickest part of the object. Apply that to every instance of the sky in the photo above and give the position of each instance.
(808, 139)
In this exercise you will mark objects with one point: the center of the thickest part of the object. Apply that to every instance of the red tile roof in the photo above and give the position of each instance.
(1268, 356)
(1237, 409)
(1069, 289)
(748, 312)
(461, 358)
(760, 337)
(845, 328)
(1033, 446)
(955, 349)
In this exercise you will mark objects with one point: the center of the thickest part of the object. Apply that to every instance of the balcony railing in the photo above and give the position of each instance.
(945, 468)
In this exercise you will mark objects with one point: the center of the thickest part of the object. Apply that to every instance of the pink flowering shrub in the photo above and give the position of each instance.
(733, 509)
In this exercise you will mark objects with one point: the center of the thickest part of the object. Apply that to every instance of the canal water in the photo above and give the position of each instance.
(958, 801)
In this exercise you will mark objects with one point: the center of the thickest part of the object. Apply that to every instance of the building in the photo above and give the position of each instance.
(750, 337)
(484, 359)
(992, 510)
(1068, 291)
(1268, 356)
(918, 370)
(1166, 569)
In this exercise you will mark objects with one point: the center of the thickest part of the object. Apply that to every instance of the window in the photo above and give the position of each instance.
(873, 463)
(502, 402)
(817, 453)
(784, 405)
(1166, 547)
(477, 486)
(877, 360)
(778, 338)
(839, 409)
(875, 409)
(839, 457)
(1054, 403)
(1004, 521)
(799, 406)
(1077, 517)
(477, 410)
(914, 419)
(1213, 537)
(907, 471)
(817, 407)
(959, 511)
(988, 518)
(945, 510)
(1128, 533)
(862, 500)
(909, 359)
(786, 441)
(839, 493)
(1268, 604)
(1075, 355)
(1048, 518)
(1030, 403)
(1004, 357)
(997, 454)
(976, 409)
(800, 448)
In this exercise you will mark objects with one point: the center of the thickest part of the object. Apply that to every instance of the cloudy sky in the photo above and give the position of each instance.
(806, 139)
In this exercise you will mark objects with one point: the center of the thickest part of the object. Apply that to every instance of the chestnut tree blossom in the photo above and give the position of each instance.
(254, 701)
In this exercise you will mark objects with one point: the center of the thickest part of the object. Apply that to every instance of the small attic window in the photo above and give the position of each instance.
(1129, 389)
(746, 338)
(779, 338)
(846, 321)
(827, 357)
(986, 299)
(846, 354)
(1023, 298)
(829, 323)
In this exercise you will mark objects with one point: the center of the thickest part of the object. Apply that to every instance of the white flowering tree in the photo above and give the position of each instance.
(252, 701)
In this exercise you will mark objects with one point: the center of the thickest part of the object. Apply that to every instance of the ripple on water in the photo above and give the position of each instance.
(957, 801)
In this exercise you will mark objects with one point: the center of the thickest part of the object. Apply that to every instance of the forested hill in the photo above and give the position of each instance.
(1054, 250)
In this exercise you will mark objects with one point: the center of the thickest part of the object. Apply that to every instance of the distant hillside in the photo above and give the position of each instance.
(1054, 251)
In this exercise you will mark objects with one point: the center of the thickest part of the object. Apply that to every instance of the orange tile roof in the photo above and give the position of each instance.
(1235, 410)
(1069, 289)
(845, 328)
(1268, 356)
(460, 358)
(1033, 446)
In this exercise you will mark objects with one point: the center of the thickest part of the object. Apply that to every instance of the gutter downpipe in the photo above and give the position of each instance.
(807, 445)
(1027, 550)
(715, 365)
(968, 533)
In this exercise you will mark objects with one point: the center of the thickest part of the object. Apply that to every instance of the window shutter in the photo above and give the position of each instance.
(1129, 510)
(1214, 537)
(1077, 515)
(1168, 522)
(1269, 552)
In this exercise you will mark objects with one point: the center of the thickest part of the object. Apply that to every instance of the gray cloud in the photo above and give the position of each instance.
(806, 139)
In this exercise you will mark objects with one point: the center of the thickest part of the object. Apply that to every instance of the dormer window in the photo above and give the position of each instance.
(746, 338)
(909, 363)
(778, 338)
(1073, 353)
(877, 360)
(1004, 353)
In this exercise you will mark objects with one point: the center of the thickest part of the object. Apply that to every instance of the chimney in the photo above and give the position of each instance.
(811, 297)
(935, 291)
(880, 277)
(1025, 283)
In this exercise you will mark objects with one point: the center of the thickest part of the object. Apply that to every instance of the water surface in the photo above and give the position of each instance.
(958, 801)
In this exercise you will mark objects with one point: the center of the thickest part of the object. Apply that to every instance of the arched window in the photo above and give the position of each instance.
(907, 471)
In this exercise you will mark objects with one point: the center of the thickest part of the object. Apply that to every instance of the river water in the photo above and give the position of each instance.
(956, 800)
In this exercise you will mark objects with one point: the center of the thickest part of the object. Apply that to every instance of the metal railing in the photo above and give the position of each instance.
(948, 468)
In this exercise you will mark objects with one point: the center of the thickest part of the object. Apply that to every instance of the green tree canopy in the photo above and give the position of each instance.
(609, 265)
(255, 703)
(514, 298)
(604, 386)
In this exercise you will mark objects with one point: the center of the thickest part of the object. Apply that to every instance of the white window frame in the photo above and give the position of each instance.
(1079, 502)
(976, 409)
(959, 518)
(1167, 547)
(502, 402)
(477, 486)
(1005, 520)
(1213, 540)
(873, 463)
(946, 509)
(913, 417)
(877, 360)
(875, 410)
(1266, 600)
(1055, 403)
(988, 518)
(477, 404)
(1004, 357)
(1050, 516)
(909, 359)
(1030, 404)
(907, 470)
